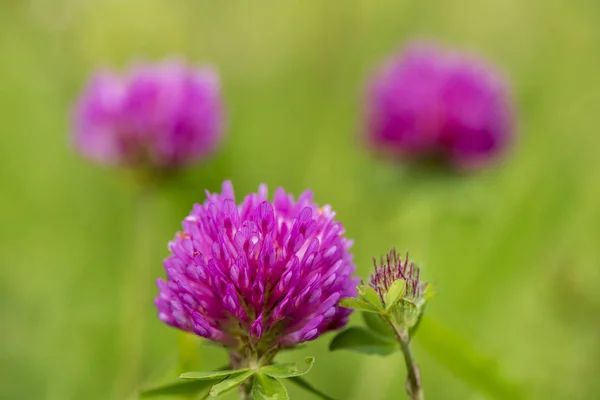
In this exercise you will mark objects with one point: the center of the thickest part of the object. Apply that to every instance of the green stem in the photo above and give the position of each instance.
(246, 390)
(247, 358)
(243, 360)
(135, 294)
(413, 381)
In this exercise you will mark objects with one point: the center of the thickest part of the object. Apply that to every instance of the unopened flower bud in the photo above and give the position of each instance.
(397, 282)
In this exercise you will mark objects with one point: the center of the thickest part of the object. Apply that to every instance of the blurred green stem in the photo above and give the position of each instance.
(413, 381)
(134, 296)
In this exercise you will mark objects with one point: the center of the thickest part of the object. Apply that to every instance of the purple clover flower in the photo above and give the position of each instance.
(429, 105)
(259, 274)
(159, 116)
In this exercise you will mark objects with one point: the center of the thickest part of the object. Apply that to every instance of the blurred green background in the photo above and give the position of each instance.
(513, 251)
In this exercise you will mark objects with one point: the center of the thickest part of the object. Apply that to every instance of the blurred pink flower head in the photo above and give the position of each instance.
(426, 104)
(161, 116)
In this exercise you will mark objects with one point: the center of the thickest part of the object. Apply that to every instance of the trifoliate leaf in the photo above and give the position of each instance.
(368, 294)
(363, 341)
(357, 304)
(377, 324)
(429, 293)
(289, 370)
(412, 331)
(265, 387)
(179, 387)
(182, 387)
(395, 293)
(209, 375)
(231, 382)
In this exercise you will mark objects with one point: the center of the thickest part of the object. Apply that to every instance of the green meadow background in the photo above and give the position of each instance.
(513, 251)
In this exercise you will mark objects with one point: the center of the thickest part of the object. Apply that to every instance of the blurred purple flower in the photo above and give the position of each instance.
(159, 116)
(429, 105)
(258, 274)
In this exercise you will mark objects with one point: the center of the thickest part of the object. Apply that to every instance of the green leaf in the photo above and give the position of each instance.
(178, 388)
(289, 370)
(368, 294)
(182, 387)
(231, 382)
(395, 293)
(358, 304)
(265, 387)
(377, 324)
(303, 383)
(412, 331)
(363, 341)
(204, 396)
(459, 356)
(429, 293)
(204, 375)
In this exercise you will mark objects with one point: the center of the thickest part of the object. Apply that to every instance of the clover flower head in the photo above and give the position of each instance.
(160, 117)
(258, 274)
(430, 105)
